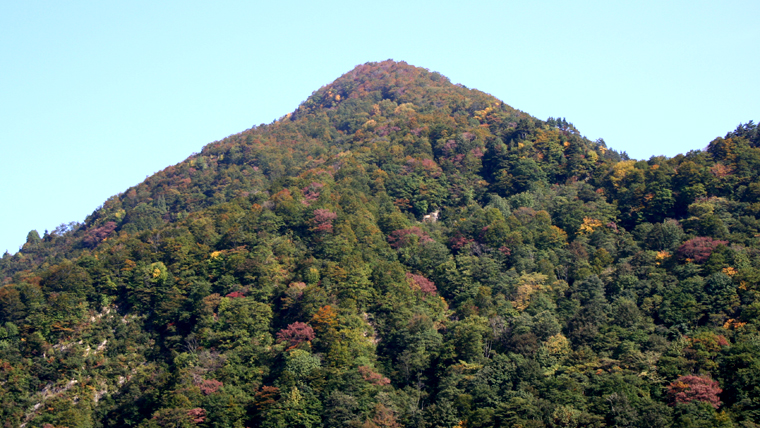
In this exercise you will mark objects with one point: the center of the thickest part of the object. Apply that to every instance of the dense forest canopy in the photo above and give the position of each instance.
(399, 251)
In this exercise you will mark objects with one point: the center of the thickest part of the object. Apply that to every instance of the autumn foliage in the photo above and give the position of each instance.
(403, 237)
(695, 388)
(373, 377)
(94, 236)
(210, 386)
(235, 295)
(296, 333)
(398, 251)
(419, 282)
(323, 220)
(699, 249)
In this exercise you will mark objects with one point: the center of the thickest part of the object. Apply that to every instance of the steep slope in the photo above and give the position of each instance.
(399, 250)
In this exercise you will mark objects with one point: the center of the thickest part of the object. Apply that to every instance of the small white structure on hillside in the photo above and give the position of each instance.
(432, 217)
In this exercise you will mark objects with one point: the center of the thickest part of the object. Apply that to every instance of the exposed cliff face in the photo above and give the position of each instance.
(397, 251)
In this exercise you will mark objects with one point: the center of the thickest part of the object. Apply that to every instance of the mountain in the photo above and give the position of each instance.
(398, 251)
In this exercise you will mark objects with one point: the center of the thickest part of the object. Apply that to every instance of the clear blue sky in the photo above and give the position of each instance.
(95, 96)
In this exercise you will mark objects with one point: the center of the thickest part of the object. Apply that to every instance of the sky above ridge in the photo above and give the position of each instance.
(95, 96)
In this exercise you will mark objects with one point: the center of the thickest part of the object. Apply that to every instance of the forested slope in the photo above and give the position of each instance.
(398, 251)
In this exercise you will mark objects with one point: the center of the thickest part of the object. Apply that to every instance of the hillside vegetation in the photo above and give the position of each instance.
(399, 251)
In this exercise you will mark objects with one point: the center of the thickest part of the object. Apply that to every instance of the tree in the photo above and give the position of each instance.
(699, 249)
(296, 333)
(323, 220)
(33, 238)
(690, 388)
(97, 235)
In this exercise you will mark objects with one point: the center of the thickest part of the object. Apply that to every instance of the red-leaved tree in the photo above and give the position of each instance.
(95, 236)
(296, 333)
(403, 237)
(323, 220)
(699, 249)
(235, 295)
(311, 192)
(210, 386)
(690, 388)
(419, 282)
(458, 241)
(373, 377)
(197, 415)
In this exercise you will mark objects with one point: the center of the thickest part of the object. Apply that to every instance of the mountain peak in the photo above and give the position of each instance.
(384, 75)
(393, 80)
